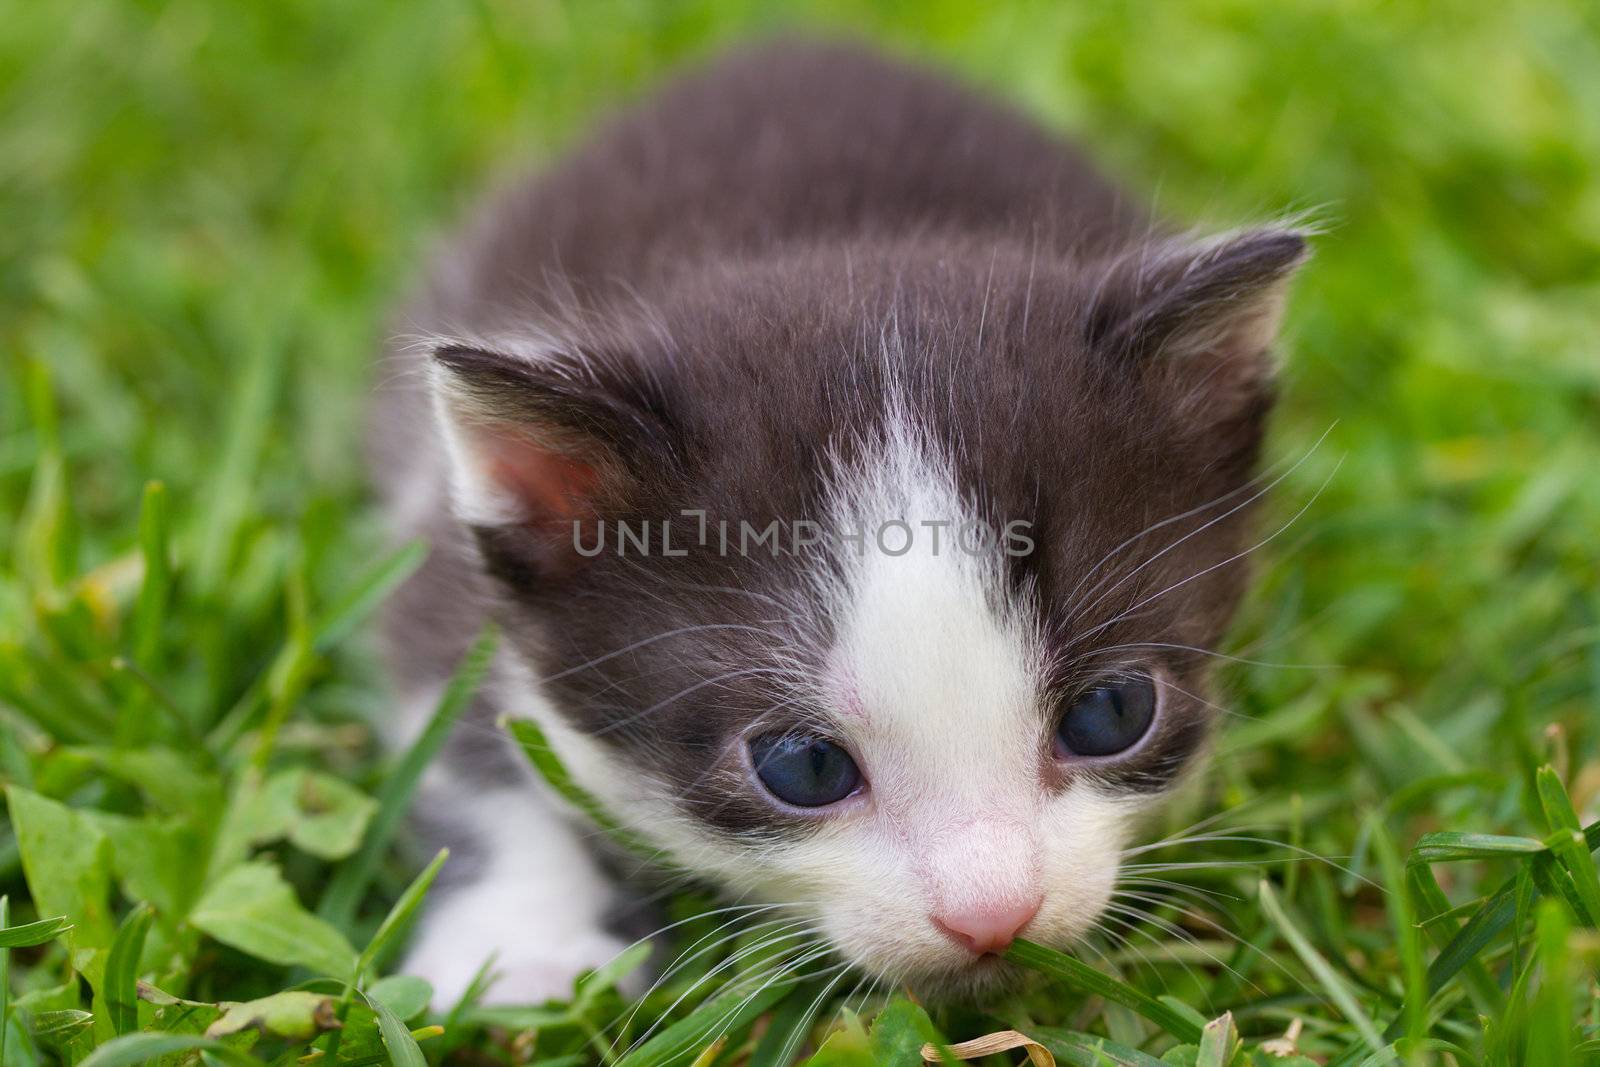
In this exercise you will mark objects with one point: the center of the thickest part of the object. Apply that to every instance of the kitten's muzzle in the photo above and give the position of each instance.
(983, 880)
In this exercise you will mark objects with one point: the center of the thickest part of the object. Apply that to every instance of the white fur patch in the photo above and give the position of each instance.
(536, 906)
(944, 668)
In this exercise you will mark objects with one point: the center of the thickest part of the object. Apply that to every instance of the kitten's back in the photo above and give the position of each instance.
(784, 143)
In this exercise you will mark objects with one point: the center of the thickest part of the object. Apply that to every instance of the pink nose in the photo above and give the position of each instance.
(989, 928)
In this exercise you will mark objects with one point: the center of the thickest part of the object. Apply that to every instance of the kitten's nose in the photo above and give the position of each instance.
(990, 927)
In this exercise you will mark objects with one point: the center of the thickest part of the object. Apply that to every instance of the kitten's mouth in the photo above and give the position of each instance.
(978, 979)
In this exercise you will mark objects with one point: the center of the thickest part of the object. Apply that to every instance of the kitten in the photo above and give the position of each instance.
(859, 480)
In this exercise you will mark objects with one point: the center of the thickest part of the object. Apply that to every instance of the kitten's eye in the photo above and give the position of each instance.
(1108, 719)
(808, 772)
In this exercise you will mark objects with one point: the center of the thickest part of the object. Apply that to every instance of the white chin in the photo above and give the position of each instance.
(977, 981)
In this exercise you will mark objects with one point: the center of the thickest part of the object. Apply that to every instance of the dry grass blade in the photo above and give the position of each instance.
(988, 1045)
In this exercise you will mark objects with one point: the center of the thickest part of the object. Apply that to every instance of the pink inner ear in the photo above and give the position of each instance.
(548, 484)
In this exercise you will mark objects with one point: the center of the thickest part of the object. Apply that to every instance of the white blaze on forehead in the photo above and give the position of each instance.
(940, 657)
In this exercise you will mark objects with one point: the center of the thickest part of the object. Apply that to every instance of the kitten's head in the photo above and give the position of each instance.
(881, 585)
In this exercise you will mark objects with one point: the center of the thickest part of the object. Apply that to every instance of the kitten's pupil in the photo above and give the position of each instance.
(1108, 719)
(808, 772)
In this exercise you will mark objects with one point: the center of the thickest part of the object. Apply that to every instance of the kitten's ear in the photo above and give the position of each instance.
(1208, 312)
(539, 442)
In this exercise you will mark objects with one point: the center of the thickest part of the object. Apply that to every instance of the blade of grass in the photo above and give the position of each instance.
(453, 1030)
(5, 974)
(45, 541)
(347, 613)
(132, 1050)
(1549, 1038)
(1431, 905)
(343, 895)
(67, 706)
(1332, 983)
(1553, 881)
(401, 914)
(1449, 847)
(351, 609)
(1086, 979)
(154, 696)
(155, 588)
(792, 1017)
(1567, 842)
(1488, 922)
(544, 759)
(403, 1048)
(725, 1015)
(1524, 896)
(228, 496)
(1218, 1042)
(1091, 1050)
(1407, 934)
(121, 986)
(34, 933)
(290, 673)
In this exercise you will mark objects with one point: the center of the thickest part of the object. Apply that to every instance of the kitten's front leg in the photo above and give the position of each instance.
(532, 896)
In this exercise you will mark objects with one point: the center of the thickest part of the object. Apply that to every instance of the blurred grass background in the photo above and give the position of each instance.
(209, 210)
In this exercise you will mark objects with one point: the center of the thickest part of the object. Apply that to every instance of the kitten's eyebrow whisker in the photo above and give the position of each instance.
(1078, 639)
(1217, 655)
(1218, 708)
(680, 694)
(697, 587)
(1072, 594)
(779, 665)
(1076, 607)
(651, 640)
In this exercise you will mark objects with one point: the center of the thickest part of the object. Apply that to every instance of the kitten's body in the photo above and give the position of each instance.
(811, 284)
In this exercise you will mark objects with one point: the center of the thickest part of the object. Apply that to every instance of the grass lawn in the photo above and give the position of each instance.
(206, 212)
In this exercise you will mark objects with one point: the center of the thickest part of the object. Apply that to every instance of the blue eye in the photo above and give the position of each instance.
(808, 772)
(1108, 719)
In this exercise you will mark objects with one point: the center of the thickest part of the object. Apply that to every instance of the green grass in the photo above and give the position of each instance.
(208, 210)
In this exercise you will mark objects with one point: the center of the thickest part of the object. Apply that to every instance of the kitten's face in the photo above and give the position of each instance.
(923, 739)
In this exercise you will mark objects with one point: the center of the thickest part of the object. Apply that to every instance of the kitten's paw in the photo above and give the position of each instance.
(536, 980)
(523, 972)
